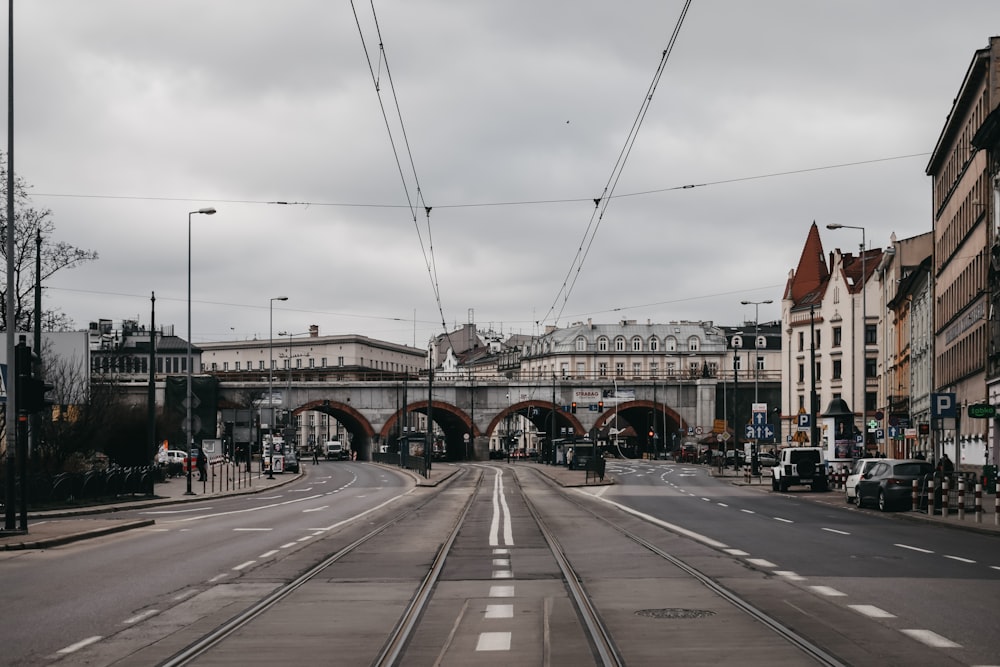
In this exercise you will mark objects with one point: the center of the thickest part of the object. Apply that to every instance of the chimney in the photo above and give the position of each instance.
(314, 331)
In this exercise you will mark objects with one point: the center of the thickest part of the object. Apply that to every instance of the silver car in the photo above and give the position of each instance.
(861, 466)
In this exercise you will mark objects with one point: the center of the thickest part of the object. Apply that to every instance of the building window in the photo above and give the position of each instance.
(760, 364)
(819, 339)
(671, 368)
(225, 365)
(654, 368)
(620, 369)
(654, 344)
(637, 344)
(340, 361)
(620, 344)
(802, 340)
(838, 369)
(602, 369)
(819, 375)
(713, 368)
(323, 362)
(693, 344)
(298, 363)
(581, 369)
(602, 344)
(312, 363)
(870, 368)
(581, 344)
(693, 367)
(670, 344)
(802, 373)
(636, 369)
(563, 369)
(871, 398)
(871, 334)
(261, 366)
(237, 365)
(837, 336)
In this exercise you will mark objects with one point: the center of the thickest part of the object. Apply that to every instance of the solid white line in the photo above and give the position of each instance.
(828, 591)
(247, 564)
(508, 531)
(715, 544)
(834, 530)
(185, 511)
(251, 530)
(959, 559)
(268, 554)
(906, 546)
(79, 645)
(303, 539)
(493, 641)
(495, 519)
(931, 638)
(139, 617)
(871, 611)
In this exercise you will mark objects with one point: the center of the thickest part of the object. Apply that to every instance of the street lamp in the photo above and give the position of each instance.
(188, 426)
(864, 316)
(270, 380)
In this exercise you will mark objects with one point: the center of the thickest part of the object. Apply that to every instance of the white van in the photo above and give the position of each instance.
(334, 449)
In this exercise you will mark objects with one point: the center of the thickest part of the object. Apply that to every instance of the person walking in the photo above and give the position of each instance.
(315, 454)
(202, 462)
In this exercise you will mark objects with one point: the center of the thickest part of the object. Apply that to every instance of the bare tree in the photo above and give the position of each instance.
(29, 224)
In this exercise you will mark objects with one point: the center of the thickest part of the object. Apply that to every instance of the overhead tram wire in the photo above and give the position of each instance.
(426, 251)
(601, 203)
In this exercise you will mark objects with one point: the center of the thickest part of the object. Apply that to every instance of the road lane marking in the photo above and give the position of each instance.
(287, 545)
(703, 539)
(834, 530)
(141, 617)
(871, 611)
(737, 552)
(907, 546)
(243, 566)
(760, 562)
(501, 591)
(218, 577)
(72, 648)
(501, 562)
(268, 554)
(788, 574)
(184, 511)
(959, 559)
(723, 505)
(493, 641)
(828, 591)
(499, 611)
(778, 518)
(251, 530)
(185, 595)
(317, 509)
(503, 574)
(931, 638)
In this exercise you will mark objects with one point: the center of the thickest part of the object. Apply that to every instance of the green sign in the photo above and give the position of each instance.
(982, 411)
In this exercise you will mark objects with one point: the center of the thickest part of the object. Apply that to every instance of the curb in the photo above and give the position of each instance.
(46, 542)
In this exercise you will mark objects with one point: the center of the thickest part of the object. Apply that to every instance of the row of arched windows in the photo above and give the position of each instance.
(638, 344)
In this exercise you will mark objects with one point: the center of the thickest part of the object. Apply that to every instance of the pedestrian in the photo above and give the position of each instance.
(202, 462)
(315, 451)
(946, 465)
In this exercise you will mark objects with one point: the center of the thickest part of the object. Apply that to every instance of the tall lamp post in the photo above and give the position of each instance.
(860, 405)
(188, 425)
(270, 380)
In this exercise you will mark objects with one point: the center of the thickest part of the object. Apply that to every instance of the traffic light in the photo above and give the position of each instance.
(600, 405)
(36, 400)
(572, 407)
(651, 434)
(29, 390)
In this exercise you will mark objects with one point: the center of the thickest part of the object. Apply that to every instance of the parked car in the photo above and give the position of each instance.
(168, 456)
(889, 483)
(861, 466)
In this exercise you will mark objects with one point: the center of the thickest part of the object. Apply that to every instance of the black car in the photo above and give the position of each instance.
(889, 483)
(291, 461)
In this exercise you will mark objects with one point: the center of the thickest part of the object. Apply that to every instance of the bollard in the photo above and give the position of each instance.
(913, 497)
(961, 499)
(979, 503)
(931, 497)
(944, 497)
(996, 504)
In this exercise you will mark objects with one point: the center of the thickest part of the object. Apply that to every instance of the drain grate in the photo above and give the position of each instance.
(675, 613)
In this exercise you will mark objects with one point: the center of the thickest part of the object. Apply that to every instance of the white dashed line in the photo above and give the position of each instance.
(268, 554)
(834, 530)
(501, 562)
(959, 559)
(791, 576)
(503, 574)
(723, 505)
(185, 595)
(245, 565)
(828, 591)
(493, 641)
(141, 617)
(218, 577)
(736, 552)
(778, 518)
(501, 591)
(760, 562)
(748, 511)
(871, 611)
(72, 648)
(931, 638)
(317, 509)
(907, 546)
(499, 611)
(286, 545)
(251, 530)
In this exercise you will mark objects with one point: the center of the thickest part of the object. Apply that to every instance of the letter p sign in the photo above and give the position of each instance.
(943, 405)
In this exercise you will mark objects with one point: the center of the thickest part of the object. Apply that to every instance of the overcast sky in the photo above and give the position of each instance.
(128, 115)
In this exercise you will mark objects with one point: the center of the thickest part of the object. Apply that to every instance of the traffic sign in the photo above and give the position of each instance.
(880, 434)
(805, 421)
(759, 418)
(943, 405)
(872, 425)
(759, 431)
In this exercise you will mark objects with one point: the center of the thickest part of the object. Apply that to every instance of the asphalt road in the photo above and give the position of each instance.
(57, 599)
(932, 583)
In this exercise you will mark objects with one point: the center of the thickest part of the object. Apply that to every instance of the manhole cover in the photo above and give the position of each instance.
(675, 613)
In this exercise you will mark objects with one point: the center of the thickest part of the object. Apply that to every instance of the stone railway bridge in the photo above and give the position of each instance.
(373, 412)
